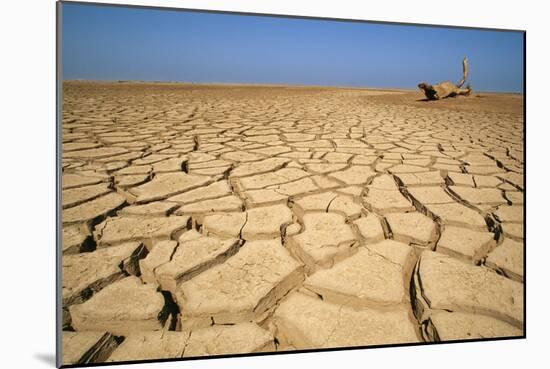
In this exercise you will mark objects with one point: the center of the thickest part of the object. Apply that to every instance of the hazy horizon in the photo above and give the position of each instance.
(102, 43)
(268, 85)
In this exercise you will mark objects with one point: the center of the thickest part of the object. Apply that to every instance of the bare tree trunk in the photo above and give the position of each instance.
(447, 89)
(464, 72)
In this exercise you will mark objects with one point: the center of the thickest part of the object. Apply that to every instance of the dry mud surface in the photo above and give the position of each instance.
(207, 220)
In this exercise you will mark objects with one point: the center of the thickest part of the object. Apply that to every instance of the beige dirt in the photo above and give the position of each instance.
(224, 219)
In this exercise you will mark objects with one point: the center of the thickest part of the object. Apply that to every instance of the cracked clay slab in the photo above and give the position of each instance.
(306, 322)
(242, 288)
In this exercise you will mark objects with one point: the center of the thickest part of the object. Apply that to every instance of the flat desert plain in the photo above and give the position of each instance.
(204, 220)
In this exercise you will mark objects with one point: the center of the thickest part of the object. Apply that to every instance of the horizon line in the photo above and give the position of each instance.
(244, 84)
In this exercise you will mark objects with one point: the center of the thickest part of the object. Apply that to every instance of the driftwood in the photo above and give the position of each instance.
(447, 89)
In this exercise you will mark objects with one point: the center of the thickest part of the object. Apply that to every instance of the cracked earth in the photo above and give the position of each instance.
(208, 220)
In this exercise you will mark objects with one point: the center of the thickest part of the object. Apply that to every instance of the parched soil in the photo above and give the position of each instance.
(203, 220)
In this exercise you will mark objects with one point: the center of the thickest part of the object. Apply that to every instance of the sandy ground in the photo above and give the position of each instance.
(205, 220)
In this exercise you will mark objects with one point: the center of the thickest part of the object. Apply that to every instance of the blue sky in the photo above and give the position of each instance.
(119, 43)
